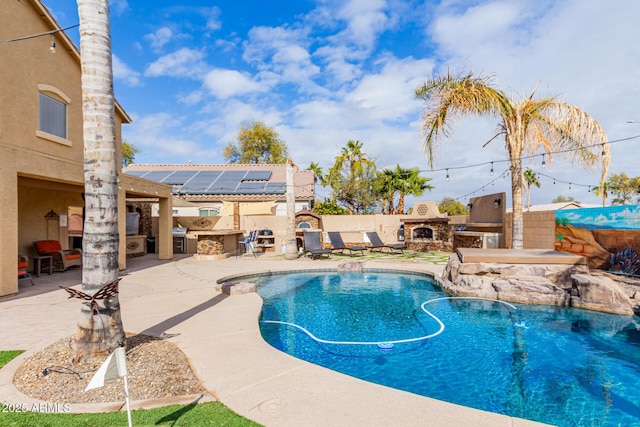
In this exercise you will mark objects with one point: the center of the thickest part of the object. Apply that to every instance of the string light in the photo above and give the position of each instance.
(491, 173)
(447, 175)
(33, 36)
(544, 164)
(52, 46)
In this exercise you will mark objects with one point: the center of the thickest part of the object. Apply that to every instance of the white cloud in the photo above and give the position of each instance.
(181, 63)
(213, 18)
(123, 72)
(366, 19)
(119, 6)
(224, 83)
(161, 134)
(389, 94)
(159, 38)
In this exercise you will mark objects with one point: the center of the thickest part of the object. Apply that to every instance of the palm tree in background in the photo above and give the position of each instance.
(528, 125)
(409, 182)
(386, 188)
(350, 166)
(531, 178)
(98, 333)
(603, 191)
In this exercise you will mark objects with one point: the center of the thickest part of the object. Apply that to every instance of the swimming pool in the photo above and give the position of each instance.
(565, 367)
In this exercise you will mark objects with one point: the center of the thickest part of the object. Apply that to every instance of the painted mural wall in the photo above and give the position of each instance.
(609, 237)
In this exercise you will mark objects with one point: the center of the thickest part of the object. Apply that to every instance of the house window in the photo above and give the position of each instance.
(209, 212)
(52, 116)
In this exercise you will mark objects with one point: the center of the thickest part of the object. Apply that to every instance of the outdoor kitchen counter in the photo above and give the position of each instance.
(216, 244)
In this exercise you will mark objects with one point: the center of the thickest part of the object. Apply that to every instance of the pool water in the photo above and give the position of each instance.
(565, 367)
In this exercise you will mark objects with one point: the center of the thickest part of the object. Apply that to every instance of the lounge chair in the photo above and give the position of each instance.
(337, 244)
(62, 258)
(313, 246)
(376, 243)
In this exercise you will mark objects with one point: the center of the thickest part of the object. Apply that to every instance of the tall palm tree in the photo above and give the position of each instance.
(531, 178)
(98, 333)
(409, 182)
(349, 165)
(534, 125)
(317, 170)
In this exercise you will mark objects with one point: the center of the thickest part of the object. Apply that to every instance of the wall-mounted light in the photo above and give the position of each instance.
(497, 203)
(52, 46)
(469, 206)
(52, 216)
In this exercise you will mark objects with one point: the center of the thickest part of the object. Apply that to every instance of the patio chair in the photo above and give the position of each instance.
(248, 243)
(376, 243)
(23, 264)
(337, 244)
(313, 246)
(62, 258)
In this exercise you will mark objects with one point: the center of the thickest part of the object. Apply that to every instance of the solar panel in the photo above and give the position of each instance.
(157, 176)
(137, 173)
(250, 187)
(179, 177)
(257, 176)
(233, 176)
(200, 183)
(223, 188)
(275, 188)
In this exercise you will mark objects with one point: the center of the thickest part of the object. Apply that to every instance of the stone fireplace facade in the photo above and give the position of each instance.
(428, 234)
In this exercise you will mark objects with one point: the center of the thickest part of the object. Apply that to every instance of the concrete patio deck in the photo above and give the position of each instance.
(220, 335)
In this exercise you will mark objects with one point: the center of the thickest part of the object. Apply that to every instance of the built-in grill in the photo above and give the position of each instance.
(179, 240)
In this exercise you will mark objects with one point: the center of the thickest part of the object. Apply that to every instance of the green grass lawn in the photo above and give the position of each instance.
(202, 414)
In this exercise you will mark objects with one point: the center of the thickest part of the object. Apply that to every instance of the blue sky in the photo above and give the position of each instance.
(322, 72)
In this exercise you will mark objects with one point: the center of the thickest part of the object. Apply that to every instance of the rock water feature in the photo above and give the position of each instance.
(564, 285)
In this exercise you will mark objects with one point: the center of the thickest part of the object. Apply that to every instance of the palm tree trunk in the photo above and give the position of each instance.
(517, 223)
(400, 210)
(98, 333)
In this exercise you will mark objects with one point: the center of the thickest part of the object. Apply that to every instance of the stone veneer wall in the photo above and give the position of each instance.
(315, 222)
(466, 242)
(210, 245)
(441, 236)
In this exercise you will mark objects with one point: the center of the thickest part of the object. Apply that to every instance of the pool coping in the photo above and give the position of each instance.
(220, 336)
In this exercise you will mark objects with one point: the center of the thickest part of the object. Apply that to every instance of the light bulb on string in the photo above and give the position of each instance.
(52, 46)
(491, 173)
(447, 175)
(569, 186)
(603, 152)
(544, 163)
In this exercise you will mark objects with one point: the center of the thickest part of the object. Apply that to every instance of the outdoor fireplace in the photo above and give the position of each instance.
(422, 233)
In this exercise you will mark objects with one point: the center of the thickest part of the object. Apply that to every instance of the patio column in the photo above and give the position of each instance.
(165, 228)
(8, 231)
(122, 228)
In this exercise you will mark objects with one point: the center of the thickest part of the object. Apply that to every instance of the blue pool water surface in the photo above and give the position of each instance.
(565, 367)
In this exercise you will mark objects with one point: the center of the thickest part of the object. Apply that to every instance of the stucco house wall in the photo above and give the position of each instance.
(41, 172)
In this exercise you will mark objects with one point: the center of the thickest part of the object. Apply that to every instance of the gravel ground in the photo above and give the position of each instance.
(156, 369)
